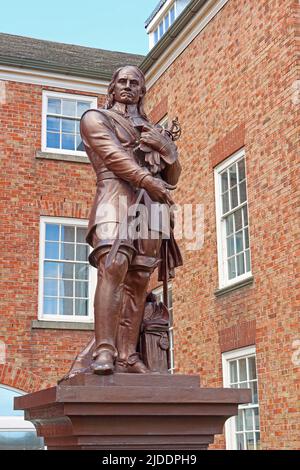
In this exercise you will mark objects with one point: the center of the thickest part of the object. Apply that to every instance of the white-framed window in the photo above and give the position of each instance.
(66, 279)
(165, 23)
(160, 298)
(61, 115)
(15, 432)
(232, 220)
(239, 371)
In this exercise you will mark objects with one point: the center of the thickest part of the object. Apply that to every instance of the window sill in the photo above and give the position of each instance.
(61, 325)
(233, 287)
(62, 156)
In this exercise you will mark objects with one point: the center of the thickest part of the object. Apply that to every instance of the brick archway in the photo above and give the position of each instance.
(21, 379)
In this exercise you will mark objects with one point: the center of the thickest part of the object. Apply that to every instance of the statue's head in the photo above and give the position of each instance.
(128, 87)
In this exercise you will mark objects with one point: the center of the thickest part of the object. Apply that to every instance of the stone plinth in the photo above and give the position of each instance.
(131, 411)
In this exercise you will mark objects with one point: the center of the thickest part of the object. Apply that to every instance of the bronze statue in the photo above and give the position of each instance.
(137, 162)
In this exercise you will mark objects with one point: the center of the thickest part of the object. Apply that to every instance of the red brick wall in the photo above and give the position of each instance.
(233, 87)
(30, 188)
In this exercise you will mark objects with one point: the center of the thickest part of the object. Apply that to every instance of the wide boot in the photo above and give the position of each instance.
(103, 363)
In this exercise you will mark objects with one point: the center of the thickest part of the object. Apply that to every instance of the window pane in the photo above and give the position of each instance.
(156, 36)
(20, 440)
(253, 386)
(53, 140)
(230, 246)
(66, 270)
(81, 271)
(54, 106)
(246, 236)
(243, 195)
(53, 124)
(239, 241)
(233, 371)
(241, 169)
(50, 269)
(81, 307)
(82, 106)
(66, 288)
(256, 418)
(68, 125)
(240, 264)
(252, 367)
(68, 142)
(65, 306)
(50, 305)
(172, 15)
(242, 370)
(79, 143)
(232, 175)
(257, 436)
(50, 287)
(249, 419)
(52, 232)
(67, 251)
(245, 213)
(68, 107)
(239, 421)
(51, 251)
(247, 255)
(229, 224)
(233, 197)
(225, 203)
(161, 29)
(82, 252)
(250, 440)
(224, 181)
(7, 402)
(238, 220)
(80, 235)
(231, 268)
(166, 22)
(240, 442)
(67, 234)
(81, 289)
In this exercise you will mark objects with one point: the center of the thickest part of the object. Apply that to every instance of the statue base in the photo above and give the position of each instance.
(131, 411)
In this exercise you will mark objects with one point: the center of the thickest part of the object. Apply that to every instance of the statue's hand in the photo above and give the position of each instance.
(158, 190)
(152, 138)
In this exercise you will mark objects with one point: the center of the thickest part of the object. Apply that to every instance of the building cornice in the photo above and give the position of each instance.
(57, 80)
(193, 19)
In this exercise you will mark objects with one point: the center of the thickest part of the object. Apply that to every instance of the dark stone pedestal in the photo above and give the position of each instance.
(131, 411)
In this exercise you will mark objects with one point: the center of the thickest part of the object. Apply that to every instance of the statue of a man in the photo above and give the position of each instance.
(133, 161)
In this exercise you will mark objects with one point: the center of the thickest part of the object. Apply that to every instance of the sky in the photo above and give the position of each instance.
(116, 25)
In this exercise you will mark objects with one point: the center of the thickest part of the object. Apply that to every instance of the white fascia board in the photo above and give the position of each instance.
(36, 77)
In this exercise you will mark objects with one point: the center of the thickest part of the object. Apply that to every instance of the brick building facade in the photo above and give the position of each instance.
(228, 70)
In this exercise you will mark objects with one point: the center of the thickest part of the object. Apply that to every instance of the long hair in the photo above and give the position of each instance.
(110, 97)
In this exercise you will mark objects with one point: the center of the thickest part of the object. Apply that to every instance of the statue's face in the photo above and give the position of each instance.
(128, 87)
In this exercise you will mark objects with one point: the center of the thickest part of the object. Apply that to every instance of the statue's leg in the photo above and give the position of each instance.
(107, 307)
(135, 293)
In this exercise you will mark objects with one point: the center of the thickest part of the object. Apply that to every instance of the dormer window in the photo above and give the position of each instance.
(162, 18)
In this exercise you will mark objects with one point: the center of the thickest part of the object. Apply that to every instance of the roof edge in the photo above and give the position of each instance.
(54, 68)
(179, 24)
